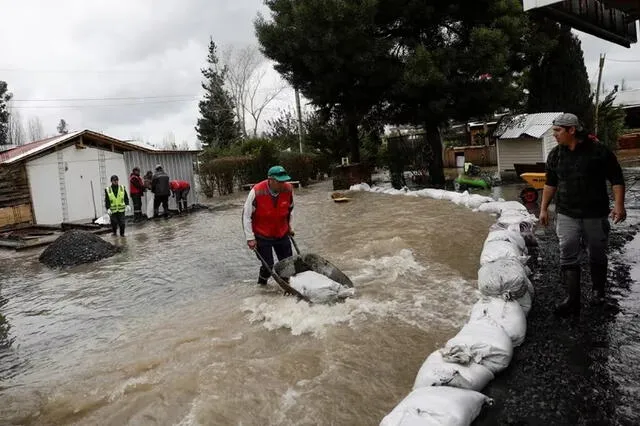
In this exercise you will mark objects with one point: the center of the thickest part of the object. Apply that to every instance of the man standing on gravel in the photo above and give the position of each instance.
(577, 173)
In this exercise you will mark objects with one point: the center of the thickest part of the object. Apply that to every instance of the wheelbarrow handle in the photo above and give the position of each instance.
(294, 244)
(282, 283)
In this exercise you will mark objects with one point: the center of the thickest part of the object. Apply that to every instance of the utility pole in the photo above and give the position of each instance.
(299, 118)
(601, 66)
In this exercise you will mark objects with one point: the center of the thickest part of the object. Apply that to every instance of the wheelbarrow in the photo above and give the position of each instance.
(536, 180)
(283, 270)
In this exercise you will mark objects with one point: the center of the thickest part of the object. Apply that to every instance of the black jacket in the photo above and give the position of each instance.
(160, 184)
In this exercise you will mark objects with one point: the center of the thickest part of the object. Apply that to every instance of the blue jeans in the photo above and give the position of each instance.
(266, 247)
(573, 234)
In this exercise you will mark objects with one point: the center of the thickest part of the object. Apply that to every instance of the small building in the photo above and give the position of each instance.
(525, 140)
(629, 101)
(62, 179)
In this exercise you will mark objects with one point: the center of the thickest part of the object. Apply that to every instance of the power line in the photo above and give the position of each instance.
(103, 105)
(89, 71)
(103, 99)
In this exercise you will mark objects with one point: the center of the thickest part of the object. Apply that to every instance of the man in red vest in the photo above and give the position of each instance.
(180, 190)
(267, 218)
(136, 190)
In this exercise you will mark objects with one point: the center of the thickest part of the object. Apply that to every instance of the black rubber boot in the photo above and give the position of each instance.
(570, 305)
(599, 280)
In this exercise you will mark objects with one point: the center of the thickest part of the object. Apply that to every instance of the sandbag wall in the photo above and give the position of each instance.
(448, 385)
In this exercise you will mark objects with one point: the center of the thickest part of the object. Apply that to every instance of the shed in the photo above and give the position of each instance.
(62, 178)
(524, 139)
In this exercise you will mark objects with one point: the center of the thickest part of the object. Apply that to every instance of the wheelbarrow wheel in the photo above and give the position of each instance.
(529, 195)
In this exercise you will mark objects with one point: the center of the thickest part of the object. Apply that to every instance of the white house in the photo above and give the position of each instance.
(524, 141)
(62, 179)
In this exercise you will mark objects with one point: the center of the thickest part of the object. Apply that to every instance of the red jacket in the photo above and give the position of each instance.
(136, 185)
(179, 185)
(271, 217)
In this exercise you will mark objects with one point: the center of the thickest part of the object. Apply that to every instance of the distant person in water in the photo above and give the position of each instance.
(180, 190)
(116, 201)
(161, 191)
(267, 218)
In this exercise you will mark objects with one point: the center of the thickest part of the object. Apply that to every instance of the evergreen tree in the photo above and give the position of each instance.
(559, 81)
(62, 127)
(5, 97)
(217, 127)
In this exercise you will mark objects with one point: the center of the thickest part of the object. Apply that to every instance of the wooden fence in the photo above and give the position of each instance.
(481, 155)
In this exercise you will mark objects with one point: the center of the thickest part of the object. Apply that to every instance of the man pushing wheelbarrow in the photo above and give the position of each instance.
(267, 219)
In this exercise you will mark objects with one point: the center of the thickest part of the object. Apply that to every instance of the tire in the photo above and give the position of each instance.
(529, 196)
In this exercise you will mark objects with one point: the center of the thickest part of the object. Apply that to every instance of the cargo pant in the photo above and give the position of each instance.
(266, 247)
(573, 234)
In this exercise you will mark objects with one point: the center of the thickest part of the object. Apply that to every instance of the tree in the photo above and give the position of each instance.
(5, 97)
(460, 59)
(611, 121)
(332, 52)
(35, 130)
(217, 126)
(245, 78)
(559, 81)
(283, 130)
(169, 141)
(15, 129)
(62, 127)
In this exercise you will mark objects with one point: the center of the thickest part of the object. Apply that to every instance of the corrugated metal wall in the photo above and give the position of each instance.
(178, 165)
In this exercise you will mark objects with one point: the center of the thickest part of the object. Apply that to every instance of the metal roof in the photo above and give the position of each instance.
(627, 98)
(526, 125)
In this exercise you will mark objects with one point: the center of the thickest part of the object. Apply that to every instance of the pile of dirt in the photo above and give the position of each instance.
(77, 247)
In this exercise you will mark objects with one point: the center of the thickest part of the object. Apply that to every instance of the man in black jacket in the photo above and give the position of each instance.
(161, 191)
(577, 173)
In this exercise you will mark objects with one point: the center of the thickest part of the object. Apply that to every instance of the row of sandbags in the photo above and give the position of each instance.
(447, 388)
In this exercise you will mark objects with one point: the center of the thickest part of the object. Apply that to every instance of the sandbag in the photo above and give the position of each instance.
(525, 302)
(507, 313)
(482, 341)
(441, 406)
(319, 288)
(437, 372)
(510, 236)
(506, 278)
(103, 220)
(495, 250)
(149, 196)
(500, 206)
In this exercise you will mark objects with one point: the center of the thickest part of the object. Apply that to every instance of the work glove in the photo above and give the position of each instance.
(127, 209)
(109, 212)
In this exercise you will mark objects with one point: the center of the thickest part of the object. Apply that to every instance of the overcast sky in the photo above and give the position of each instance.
(150, 52)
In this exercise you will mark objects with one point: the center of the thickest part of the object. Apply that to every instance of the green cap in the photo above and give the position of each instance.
(279, 174)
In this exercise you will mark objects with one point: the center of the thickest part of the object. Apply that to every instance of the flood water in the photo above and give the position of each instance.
(173, 331)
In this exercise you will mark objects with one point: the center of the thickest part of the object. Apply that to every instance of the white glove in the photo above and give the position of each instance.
(128, 209)
(109, 212)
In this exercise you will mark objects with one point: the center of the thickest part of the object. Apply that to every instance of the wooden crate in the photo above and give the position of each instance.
(10, 216)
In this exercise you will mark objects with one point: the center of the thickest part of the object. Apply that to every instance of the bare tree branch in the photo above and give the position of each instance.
(35, 129)
(15, 128)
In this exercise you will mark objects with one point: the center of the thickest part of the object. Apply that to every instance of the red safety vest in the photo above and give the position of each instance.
(271, 218)
(133, 190)
(179, 185)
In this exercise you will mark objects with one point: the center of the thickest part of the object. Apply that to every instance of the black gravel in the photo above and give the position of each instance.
(77, 247)
(562, 375)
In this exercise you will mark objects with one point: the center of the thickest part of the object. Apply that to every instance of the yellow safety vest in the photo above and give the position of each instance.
(117, 202)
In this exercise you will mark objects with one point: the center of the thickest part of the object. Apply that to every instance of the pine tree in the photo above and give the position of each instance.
(5, 96)
(217, 127)
(559, 82)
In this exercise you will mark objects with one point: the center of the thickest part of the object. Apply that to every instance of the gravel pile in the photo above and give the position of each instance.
(76, 247)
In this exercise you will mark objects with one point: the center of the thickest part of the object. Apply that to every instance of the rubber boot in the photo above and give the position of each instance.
(598, 279)
(570, 305)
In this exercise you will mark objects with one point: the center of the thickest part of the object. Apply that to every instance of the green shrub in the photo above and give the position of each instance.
(223, 174)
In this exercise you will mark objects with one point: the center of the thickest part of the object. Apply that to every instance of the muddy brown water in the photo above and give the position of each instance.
(174, 331)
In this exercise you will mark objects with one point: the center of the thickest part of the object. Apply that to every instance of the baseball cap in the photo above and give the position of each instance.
(279, 174)
(568, 120)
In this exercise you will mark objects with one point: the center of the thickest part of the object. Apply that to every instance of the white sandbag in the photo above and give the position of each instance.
(506, 278)
(526, 301)
(436, 194)
(482, 341)
(319, 288)
(103, 220)
(472, 201)
(437, 372)
(437, 406)
(360, 187)
(494, 250)
(508, 235)
(500, 206)
(531, 289)
(523, 220)
(149, 196)
(507, 313)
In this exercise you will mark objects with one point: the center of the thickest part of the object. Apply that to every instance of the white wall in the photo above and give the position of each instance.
(513, 151)
(45, 189)
(549, 142)
(82, 171)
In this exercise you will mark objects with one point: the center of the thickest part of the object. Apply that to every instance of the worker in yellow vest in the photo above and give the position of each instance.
(117, 202)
